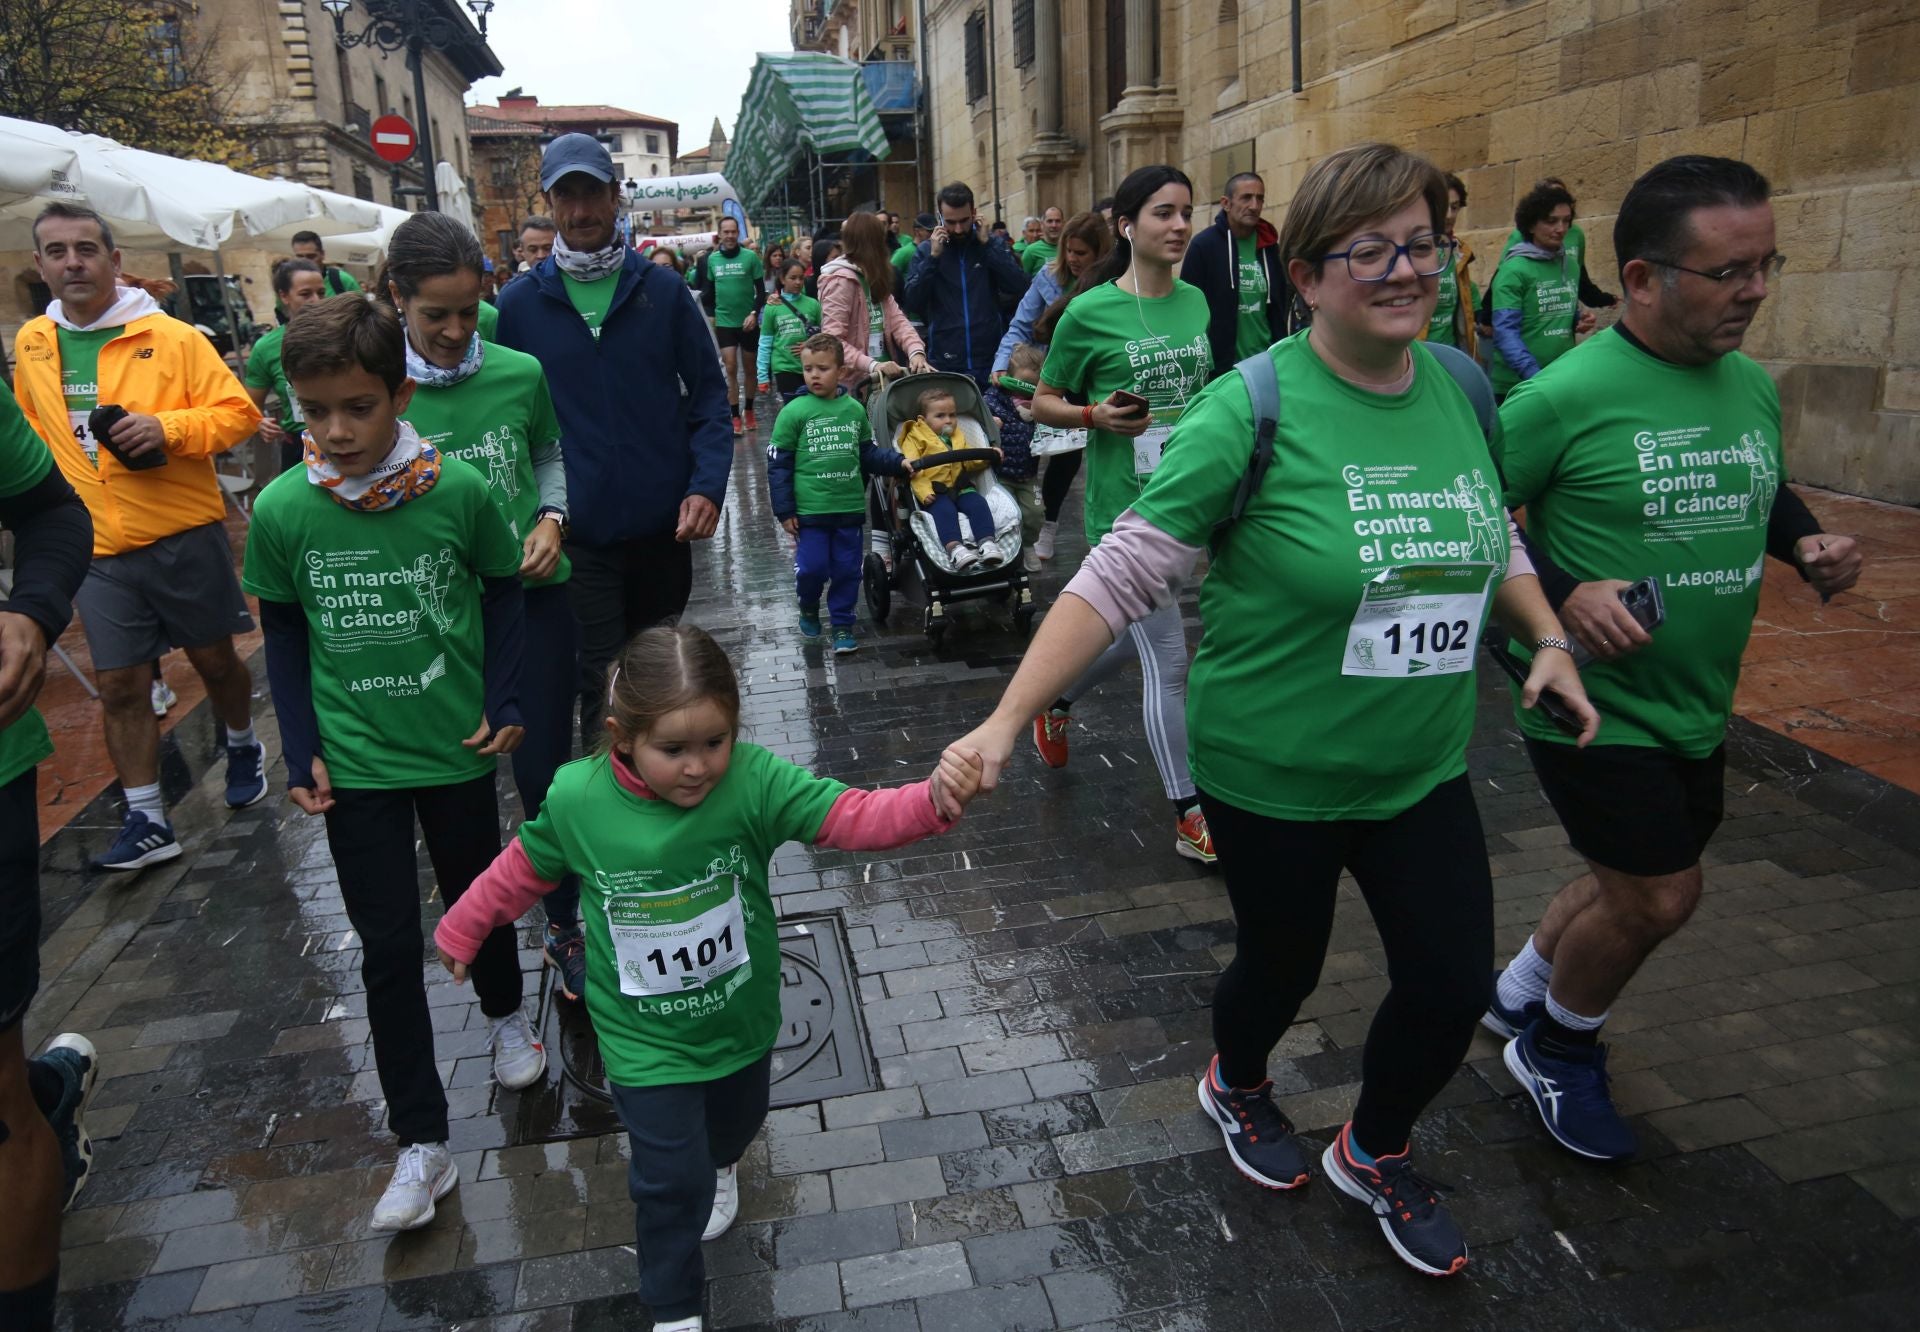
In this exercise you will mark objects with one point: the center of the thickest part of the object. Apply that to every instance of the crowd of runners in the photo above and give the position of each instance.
(1396, 461)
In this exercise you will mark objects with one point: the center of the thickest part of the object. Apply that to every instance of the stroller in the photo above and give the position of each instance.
(916, 543)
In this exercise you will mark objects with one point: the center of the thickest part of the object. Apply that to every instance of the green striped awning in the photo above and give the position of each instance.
(800, 99)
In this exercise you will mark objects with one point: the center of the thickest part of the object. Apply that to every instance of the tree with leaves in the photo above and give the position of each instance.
(125, 69)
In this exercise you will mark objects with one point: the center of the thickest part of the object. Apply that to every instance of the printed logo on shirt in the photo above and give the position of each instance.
(1390, 492)
(1690, 487)
(359, 607)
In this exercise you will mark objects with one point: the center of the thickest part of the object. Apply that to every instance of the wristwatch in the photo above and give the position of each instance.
(559, 517)
(1552, 641)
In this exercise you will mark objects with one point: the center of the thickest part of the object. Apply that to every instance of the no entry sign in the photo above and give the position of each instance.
(393, 139)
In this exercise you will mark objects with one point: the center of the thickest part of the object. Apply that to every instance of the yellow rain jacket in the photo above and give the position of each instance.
(920, 441)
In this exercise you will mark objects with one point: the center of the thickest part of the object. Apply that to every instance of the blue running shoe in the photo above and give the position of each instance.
(141, 842)
(566, 952)
(1569, 1088)
(809, 622)
(1504, 1022)
(74, 1061)
(1406, 1203)
(843, 639)
(246, 774)
(1259, 1138)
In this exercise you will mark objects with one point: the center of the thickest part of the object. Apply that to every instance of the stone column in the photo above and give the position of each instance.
(1145, 126)
(1046, 61)
(1139, 47)
(1052, 161)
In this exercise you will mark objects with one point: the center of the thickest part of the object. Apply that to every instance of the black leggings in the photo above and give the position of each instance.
(1425, 878)
(1061, 469)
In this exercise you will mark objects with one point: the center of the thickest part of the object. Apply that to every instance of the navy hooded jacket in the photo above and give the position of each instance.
(643, 411)
(957, 295)
(1213, 265)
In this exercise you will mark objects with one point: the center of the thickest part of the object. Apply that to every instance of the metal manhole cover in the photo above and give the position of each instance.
(821, 1050)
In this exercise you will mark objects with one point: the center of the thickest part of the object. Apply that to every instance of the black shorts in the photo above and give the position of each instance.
(1633, 808)
(735, 337)
(19, 897)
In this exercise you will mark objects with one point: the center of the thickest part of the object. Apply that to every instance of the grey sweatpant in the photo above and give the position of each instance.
(1161, 646)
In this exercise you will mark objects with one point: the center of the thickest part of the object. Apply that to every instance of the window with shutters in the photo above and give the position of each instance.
(1022, 34)
(976, 39)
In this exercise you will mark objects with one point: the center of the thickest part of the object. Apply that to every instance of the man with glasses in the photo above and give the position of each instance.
(1651, 451)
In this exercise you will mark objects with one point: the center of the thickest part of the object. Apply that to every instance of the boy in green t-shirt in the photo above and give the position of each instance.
(391, 603)
(298, 283)
(821, 452)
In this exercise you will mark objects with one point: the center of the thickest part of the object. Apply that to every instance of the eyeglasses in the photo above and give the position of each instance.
(1738, 274)
(1374, 260)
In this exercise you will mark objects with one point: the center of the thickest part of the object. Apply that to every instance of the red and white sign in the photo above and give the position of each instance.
(393, 139)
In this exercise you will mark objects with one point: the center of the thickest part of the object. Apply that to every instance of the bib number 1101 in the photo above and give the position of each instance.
(1421, 636)
(704, 954)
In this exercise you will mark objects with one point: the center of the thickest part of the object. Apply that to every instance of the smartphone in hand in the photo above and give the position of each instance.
(1130, 403)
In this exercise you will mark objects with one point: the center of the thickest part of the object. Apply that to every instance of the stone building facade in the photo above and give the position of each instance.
(1822, 95)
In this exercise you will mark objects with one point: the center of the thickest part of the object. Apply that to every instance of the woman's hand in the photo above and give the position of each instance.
(1120, 420)
(1553, 669)
(959, 780)
(919, 364)
(888, 369)
(988, 746)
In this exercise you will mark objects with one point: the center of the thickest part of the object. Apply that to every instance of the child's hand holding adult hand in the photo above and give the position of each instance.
(957, 779)
(318, 798)
(453, 965)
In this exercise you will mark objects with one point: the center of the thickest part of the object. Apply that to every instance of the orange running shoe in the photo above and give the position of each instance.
(750, 421)
(1192, 838)
(1050, 738)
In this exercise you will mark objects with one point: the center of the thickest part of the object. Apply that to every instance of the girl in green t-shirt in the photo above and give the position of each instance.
(489, 406)
(1131, 347)
(670, 829)
(791, 317)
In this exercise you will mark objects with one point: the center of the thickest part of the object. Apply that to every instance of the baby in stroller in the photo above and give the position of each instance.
(944, 491)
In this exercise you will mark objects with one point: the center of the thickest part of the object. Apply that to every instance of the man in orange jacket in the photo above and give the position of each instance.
(162, 573)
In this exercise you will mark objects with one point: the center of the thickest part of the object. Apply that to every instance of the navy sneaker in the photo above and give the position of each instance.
(246, 774)
(74, 1061)
(1504, 1022)
(1259, 1138)
(809, 622)
(1569, 1088)
(1406, 1203)
(141, 842)
(566, 951)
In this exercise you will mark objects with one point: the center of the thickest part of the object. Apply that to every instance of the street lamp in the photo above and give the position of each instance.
(396, 25)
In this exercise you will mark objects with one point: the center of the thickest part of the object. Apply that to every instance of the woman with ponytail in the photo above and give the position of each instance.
(1130, 350)
(489, 406)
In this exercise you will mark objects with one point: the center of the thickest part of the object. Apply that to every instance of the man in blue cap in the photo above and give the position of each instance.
(645, 431)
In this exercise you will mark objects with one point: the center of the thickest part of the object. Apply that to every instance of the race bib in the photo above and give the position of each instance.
(1151, 443)
(1048, 440)
(1421, 619)
(83, 435)
(876, 333)
(678, 940)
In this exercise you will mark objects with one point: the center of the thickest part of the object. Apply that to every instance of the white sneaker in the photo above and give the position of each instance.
(726, 1202)
(693, 1324)
(163, 698)
(963, 557)
(518, 1060)
(1030, 560)
(424, 1174)
(1044, 546)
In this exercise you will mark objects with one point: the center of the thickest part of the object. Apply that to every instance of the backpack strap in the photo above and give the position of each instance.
(1263, 392)
(1472, 380)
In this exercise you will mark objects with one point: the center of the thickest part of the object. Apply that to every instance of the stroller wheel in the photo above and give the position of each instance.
(936, 625)
(879, 587)
(1023, 621)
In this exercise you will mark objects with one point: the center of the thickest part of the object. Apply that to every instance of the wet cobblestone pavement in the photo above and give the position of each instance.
(1034, 991)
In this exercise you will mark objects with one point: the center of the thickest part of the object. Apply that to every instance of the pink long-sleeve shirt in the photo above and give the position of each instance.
(843, 313)
(859, 821)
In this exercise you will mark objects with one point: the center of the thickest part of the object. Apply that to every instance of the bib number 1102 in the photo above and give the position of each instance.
(704, 954)
(1422, 636)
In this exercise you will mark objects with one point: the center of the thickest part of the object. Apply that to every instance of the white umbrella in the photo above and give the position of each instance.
(80, 168)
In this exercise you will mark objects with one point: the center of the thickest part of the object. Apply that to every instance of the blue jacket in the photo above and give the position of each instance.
(643, 411)
(1044, 291)
(1213, 265)
(957, 296)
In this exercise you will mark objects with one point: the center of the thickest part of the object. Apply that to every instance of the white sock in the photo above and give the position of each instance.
(240, 739)
(146, 800)
(1525, 979)
(1571, 1020)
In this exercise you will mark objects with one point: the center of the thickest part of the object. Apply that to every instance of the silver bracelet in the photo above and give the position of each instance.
(1552, 641)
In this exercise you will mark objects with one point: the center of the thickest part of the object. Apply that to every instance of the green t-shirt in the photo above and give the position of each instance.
(824, 435)
(80, 381)
(264, 372)
(903, 261)
(786, 320)
(592, 299)
(1038, 255)
(494, 420)
(736, 278)
(340, 281)
(489, 322)
(1251, 332)
(1575, 246)
(24, 464)
(1157, 347)
(689, 989)
(1283, 717)
(392, 600)
(1440, 327)
(1546, 293)
(1630, 466)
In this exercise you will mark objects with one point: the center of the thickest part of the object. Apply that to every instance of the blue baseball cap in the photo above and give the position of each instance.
(575, 152)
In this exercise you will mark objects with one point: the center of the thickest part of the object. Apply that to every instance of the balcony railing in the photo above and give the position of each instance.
(890, 83)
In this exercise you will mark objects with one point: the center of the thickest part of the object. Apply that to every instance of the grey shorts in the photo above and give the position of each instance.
(179, 592)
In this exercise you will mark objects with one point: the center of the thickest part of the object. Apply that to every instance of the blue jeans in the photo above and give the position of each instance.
(549, 683)
(829, 557)
(680, 1134)
(946, 511)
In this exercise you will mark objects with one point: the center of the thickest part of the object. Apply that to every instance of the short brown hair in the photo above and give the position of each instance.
(1354, 186)
(342, 332)
(929, 396)
(664, 669)
(827, 345)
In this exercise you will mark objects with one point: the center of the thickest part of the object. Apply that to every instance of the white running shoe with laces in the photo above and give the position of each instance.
(1044, 546)
(424, 1174)
(518, 1060)
(693, 1324)
(726, 1202)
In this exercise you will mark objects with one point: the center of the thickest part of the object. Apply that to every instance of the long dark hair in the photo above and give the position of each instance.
(1139, 186)
(426, 245)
